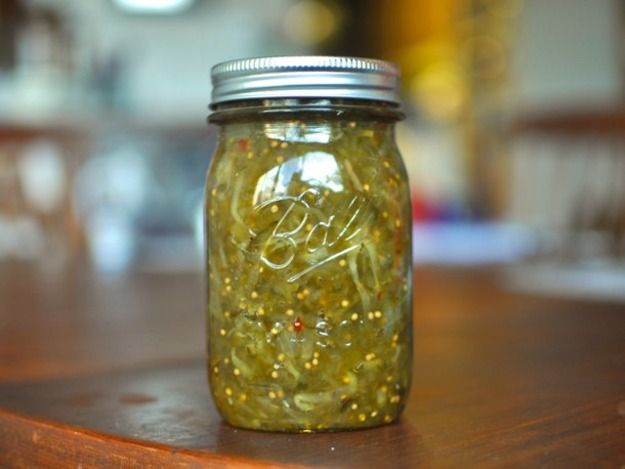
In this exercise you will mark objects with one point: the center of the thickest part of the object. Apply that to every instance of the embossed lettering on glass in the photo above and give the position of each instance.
(308, 246)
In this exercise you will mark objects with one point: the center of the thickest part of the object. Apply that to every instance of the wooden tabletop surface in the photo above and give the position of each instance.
(108, 372)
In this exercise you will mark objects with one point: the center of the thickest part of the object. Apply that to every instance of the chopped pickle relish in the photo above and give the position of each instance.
(309, 285)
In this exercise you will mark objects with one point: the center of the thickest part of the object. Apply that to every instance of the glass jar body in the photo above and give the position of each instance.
(308, 234)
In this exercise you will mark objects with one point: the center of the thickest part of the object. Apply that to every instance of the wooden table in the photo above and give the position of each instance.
(108, 372)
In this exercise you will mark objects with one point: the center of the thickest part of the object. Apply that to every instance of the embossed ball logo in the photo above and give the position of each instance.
(304, 237)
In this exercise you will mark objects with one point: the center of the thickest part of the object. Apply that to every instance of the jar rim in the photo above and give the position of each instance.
(279, 109)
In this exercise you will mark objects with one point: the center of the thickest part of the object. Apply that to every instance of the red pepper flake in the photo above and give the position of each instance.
(297, 325)
(244, 144)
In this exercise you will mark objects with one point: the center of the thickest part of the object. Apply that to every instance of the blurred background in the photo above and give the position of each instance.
(514, 138)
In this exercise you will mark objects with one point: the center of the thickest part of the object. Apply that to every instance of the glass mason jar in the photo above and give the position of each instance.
(308, 227)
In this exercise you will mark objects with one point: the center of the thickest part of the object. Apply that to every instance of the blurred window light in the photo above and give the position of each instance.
(153, 6)
(117, 178)
(111, 240)
(42, 176)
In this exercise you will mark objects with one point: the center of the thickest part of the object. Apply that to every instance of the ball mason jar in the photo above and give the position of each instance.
(308, 237)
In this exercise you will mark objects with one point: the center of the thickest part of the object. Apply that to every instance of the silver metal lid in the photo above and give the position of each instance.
(305, 77)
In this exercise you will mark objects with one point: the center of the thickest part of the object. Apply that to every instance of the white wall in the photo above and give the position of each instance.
(169, 57)
(568, 55)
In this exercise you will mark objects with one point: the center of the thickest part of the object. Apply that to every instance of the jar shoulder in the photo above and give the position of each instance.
(340, 159)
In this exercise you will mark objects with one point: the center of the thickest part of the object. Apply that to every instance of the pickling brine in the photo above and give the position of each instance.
(309, 265)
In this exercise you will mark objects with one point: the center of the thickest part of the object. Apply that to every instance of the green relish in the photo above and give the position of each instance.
(309, 272)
